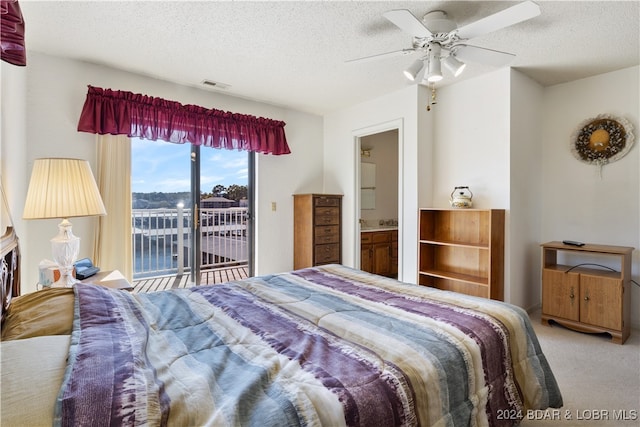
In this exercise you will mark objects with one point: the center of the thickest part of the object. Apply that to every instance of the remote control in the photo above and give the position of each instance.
(572, 243)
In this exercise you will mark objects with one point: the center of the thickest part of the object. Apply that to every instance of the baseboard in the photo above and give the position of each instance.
(536, 307)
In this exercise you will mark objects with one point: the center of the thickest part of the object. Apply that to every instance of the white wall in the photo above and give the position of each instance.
(278, 178)
(577, 203)
(13, 119)
(403, 109)
(523, 281)
(471, 140)
(56, 89)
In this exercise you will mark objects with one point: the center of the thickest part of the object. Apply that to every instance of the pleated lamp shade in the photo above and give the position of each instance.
(62, 188)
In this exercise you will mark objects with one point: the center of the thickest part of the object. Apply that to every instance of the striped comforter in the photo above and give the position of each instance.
(323, 346)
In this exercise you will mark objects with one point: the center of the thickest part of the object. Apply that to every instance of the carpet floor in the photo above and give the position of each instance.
(599, 380)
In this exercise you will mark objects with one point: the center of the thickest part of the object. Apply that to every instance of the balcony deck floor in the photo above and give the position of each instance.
(208, 277)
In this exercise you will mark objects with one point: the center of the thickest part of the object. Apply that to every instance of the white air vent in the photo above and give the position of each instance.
(215, 85)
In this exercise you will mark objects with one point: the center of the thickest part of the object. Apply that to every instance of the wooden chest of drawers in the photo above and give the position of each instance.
(316, 230)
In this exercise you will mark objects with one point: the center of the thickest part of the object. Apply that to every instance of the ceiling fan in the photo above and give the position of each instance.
(438, 40)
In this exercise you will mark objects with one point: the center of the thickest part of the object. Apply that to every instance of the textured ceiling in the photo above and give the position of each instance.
(293, 53)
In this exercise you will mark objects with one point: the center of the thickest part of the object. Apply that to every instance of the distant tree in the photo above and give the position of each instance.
(218, 191)
(156, 200)
(236, 192)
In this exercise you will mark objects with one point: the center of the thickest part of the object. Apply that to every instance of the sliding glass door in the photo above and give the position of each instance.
(191, 209)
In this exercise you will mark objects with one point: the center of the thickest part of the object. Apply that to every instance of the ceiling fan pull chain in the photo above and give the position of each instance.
(433, 97)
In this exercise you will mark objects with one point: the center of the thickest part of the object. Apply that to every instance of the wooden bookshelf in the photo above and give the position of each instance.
(462, 250)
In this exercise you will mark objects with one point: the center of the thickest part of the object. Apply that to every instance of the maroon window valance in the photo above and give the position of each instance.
(116, 112)
(12, 48)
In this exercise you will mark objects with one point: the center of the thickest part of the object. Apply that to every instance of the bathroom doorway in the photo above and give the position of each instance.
(380, 201)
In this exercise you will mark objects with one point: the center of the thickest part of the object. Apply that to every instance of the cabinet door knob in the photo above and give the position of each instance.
(572, 296)
(586, 298)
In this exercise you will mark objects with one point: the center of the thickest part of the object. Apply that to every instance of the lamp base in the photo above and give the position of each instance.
(65, 281)
(65, 248)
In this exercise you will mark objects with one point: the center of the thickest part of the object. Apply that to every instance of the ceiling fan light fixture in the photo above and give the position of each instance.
(414, 69)
(452, 64)
(434, 69)
(434, 77)
(434, 73)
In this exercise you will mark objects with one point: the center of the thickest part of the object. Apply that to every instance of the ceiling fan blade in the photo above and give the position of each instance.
(383, 55)
(466, 53)
(407, 22)
(505, 18)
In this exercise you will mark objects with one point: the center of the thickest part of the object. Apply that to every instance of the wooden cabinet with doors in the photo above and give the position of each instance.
(587, 296)
(379, 252)
(317, 233)
(366, 252)
(394, 253)
(462, 250)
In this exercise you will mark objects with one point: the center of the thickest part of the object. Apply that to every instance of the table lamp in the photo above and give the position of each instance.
(63, 188)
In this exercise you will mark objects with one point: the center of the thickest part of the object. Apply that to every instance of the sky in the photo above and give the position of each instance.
(159, 166)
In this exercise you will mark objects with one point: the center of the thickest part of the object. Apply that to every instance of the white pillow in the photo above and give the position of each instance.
(32, 372)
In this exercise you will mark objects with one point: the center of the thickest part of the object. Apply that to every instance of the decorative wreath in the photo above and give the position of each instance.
(602, 140)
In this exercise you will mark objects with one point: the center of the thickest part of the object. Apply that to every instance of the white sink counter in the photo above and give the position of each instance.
(378, 228)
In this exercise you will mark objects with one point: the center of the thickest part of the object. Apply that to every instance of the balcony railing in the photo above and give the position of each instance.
(162, 240)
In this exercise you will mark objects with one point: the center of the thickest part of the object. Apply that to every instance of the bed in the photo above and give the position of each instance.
(322, 346)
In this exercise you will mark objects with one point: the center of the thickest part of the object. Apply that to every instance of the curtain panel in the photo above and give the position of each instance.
(107, 111)
(12, 48)
(112, 247)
